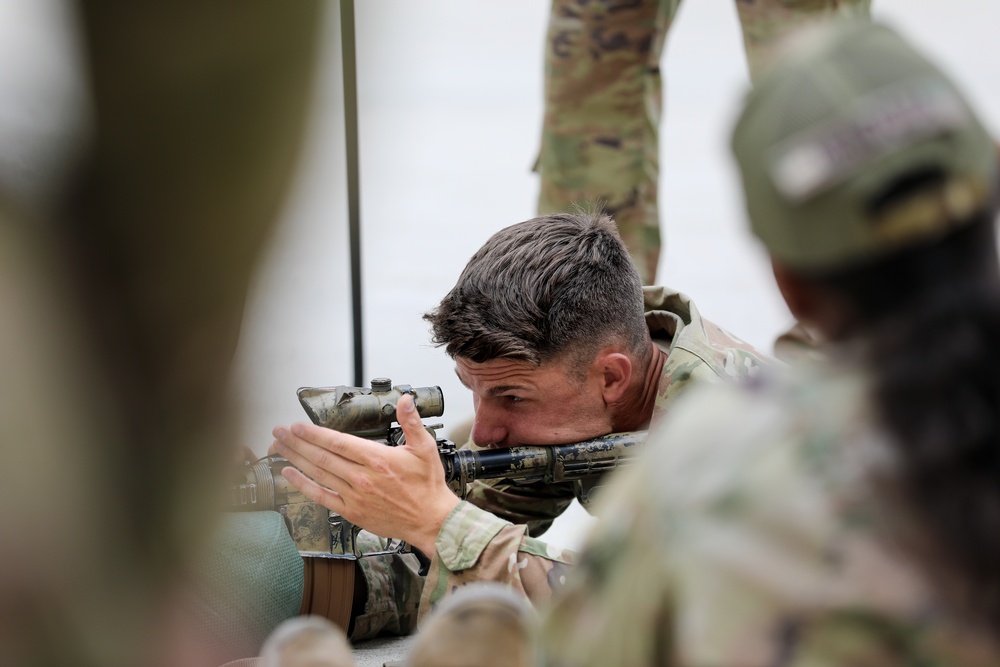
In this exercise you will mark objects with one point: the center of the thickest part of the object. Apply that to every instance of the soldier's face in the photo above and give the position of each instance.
(518, 403)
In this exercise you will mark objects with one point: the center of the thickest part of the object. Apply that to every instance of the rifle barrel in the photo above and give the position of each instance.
(548, 463)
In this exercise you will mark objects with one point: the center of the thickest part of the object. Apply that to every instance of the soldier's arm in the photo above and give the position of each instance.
(475, 546)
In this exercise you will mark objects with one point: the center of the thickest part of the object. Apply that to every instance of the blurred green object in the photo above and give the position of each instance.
(125, 302)
(249, 580)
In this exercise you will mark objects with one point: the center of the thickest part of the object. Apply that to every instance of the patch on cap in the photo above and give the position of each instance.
(879, 122)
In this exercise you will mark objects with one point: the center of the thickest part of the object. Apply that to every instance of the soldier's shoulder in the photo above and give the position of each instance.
(698, 345)
(730, 432)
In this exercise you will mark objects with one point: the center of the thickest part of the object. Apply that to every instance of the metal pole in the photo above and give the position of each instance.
(353, 196)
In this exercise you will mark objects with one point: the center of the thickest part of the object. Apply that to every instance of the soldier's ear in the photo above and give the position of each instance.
(614, 370)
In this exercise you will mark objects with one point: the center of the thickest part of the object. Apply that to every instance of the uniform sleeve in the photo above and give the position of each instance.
(475, 546)
(534, 505)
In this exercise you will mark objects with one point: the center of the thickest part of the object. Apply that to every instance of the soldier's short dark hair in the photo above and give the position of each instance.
(557, 286)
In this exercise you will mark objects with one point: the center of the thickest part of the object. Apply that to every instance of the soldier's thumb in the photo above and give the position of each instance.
(417, 437)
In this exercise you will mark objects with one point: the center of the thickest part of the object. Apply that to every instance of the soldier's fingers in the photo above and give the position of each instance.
(343, 445)
(316, 462)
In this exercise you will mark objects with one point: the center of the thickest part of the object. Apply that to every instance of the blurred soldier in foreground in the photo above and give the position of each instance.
(603, 100)
(120, 309)
(845, 514)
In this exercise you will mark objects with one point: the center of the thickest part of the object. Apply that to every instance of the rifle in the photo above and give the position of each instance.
(371, 413)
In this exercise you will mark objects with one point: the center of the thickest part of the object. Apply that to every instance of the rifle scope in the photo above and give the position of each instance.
(368, 413)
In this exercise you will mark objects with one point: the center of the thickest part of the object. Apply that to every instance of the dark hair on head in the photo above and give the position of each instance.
(554, 285)
(931, 320)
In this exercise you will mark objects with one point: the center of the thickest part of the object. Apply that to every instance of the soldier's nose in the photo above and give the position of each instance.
(486, 432)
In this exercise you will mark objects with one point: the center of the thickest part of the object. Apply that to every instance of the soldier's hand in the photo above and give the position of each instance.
(390, 491)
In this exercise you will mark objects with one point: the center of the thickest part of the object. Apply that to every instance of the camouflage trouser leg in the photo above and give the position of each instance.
(764, 22)
(394, 585)
(600, 135)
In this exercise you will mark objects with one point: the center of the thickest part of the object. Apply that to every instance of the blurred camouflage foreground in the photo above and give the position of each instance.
(120, 308)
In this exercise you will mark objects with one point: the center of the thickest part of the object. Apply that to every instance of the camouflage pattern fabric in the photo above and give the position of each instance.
(603, 99)
(800, 343)
(491, 536)
(125, 289)
(764, 22)
(393, 585)
(751, 537)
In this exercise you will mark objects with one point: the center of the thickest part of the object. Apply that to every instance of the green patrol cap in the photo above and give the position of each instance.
(854, 145)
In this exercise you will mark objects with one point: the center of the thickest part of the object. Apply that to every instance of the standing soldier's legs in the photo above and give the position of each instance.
(764, 22)
(600, 137)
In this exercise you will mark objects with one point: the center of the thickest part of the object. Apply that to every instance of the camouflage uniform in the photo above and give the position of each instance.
(754, 538)
(603, 99)
(491, 536)
(124, 287)
(393, 585)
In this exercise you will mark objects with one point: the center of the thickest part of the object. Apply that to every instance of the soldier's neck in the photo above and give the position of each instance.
(637, 412)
